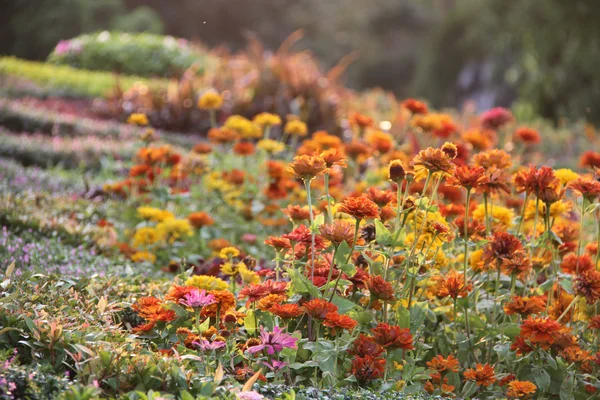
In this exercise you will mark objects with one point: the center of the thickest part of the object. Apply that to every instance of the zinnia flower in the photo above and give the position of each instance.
(273, 341)
(197, 299)
(482, 375)
(367, 368)
(307, 167)
(393, 337)
(521, 389)
(540, 330)
(359, 207)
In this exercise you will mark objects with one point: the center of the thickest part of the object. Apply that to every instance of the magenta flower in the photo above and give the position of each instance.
(273, 341)
(496, 118)
(205, 345)
(197, 299)
(275, 365)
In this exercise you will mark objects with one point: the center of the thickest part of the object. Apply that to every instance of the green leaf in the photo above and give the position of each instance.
(344, 305)
(382, 234)
(542, 378)
(249, 322)
(566, 389)
(301, 283)
(342, 253)
(403, 317)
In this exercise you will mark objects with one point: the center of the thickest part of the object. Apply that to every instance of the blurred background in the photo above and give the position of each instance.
(542, 55)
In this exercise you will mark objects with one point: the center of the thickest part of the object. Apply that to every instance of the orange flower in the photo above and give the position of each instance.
(278, 243)
(297, 213)
(202, 148)
(319, 308)
(177, 292)
(528, 135)
(572, 264)
(588, 188)
(222, 136)
(525, 306)
(286, 311)
(225, 301)
(334, 157)
(432, 160)
(502, 246)
(307, 167)
(334, 320)
(393, 337)
(468, 177)
(360, 120)
(493, 159)
(381, 197)
(540, 330)
(590, 159)
(338, 231)
(359, 207)
(453, 285)
(415, 106)
(482, 375)
(441, 364)
(269, 301)
(152, 310)
(587, 284)
(200, 219)
(253, 292)
(244, 149)
(534, 181)
(521, 389)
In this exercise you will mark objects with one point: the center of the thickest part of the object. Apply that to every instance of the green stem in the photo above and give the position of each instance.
(329, 213)
(522, 213)
(312, 234)
(356, 227)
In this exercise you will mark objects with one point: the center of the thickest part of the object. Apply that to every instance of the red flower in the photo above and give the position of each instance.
(393, 337)
(496, 118)
(368, 368)
(253, 292)
(587, 284)
(379, 288)
(366, 345)
(319, 308)
(286, 311)
(415, 106)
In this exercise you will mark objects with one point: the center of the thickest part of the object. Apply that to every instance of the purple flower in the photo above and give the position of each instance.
(275, 365)
(274, 341)
(205, 345)
(251, 395)
(197, 299)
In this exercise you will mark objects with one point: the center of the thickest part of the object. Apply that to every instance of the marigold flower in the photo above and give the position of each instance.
(521, 389)
(200, 219)
(441, 364)
(359, 207)
(307, 167)
(540, 330)
(482, 375)
(393, 337)
(368, 368)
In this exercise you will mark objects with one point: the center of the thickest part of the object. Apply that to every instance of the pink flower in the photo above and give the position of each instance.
(496, 118)
(274, 341)
(251, 395)
(205, 345)
(275, 365)
(197, 299)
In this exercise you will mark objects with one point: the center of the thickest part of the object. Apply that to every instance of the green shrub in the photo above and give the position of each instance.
(136, 54)
(69, 81)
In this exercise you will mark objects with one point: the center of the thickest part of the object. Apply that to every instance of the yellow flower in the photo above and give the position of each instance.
(248, 276)
(210, 100)
(145, 236)
(230, 269)
(138, 119)
(266, 119)
(143, 256)
(558, 209)
(271, 146)
(174, 229)
(207, 282)
(502, 217)
(475, 260)
(296, 128)
(154, 214)
(565, 175)
(243, 127)
(229, 252)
